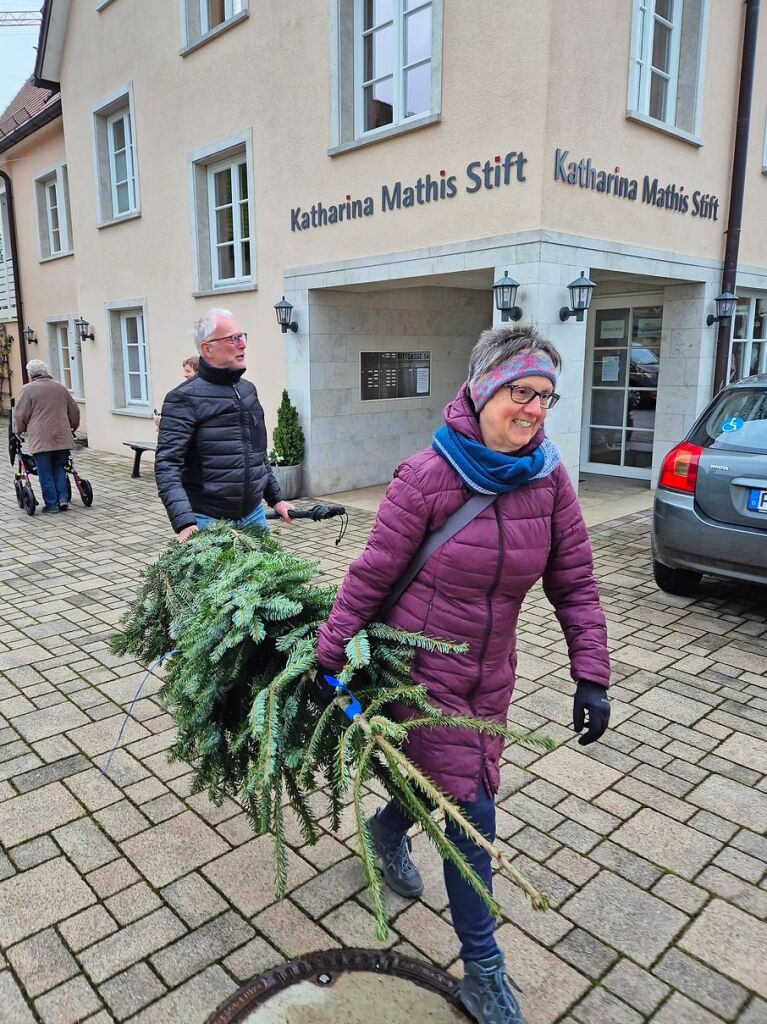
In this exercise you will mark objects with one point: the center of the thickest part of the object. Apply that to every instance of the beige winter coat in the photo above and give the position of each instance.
(48, 414)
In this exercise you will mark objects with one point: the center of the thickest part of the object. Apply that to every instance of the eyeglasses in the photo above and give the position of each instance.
(231, 339)
(521, 395)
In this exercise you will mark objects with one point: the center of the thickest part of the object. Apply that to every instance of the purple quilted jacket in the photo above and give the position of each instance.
(472, 589)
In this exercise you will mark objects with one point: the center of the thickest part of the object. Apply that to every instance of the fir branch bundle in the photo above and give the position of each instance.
(242, 613)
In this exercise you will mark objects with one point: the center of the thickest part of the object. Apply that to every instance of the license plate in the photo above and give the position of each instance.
(757, 500)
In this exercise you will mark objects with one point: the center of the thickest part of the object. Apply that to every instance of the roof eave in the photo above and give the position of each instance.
(49, 113)
(50, 44)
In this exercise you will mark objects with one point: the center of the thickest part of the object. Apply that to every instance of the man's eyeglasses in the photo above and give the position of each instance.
(232, 339)
(521, 394)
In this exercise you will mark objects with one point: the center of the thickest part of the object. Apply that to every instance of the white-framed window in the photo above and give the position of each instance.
(668, 46)
(764, 149)
(387, 61)
(116, 157)
(136, 374)
(122, 168)
(129, 356)
(64, 349)
(748, 344)
(393, 54)
(54, 232)
(205, 18)
(222, 214)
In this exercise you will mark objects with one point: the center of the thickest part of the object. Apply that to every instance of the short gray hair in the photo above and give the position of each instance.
(497, 344)
(37, 368)
(206, 325)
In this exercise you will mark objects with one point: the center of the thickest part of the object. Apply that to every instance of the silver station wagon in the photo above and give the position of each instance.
(710, 513)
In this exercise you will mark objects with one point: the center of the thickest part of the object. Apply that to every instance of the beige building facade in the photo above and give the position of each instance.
(381, 163)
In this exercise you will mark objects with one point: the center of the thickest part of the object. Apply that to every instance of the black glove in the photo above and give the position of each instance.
(323, 692)
(591, 699)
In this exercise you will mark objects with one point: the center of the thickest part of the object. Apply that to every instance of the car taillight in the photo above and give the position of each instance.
(679, 471)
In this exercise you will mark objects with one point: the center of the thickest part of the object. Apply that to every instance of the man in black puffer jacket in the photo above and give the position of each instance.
(211, 449)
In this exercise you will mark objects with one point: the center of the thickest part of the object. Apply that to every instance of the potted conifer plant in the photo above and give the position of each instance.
(287, 452)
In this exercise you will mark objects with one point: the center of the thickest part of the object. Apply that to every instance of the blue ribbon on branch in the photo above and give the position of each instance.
(353, 708)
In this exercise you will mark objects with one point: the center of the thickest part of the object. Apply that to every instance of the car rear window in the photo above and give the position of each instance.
(738, 419)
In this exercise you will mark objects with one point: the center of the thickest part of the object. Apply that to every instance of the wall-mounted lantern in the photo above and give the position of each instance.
(505, 290)
(284, 312)
(84, 329)
(725, 307)
(29, 336)
(581, 290)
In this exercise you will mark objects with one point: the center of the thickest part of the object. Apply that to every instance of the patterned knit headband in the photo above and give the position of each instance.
(523, 364)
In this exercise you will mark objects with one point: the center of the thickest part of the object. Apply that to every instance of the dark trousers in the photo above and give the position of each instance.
(53, 479)
(474, 924)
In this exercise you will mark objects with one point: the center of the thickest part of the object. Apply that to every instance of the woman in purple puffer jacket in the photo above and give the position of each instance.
(472, 589)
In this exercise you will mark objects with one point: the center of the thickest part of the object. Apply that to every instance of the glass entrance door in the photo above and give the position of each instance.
(619, 419)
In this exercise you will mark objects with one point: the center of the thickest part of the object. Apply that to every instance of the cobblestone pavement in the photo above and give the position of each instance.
(128, 899)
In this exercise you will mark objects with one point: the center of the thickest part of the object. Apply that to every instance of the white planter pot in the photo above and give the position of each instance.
(289, 479)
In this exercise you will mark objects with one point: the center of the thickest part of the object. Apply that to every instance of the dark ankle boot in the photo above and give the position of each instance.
(399, 872)
(487, 992)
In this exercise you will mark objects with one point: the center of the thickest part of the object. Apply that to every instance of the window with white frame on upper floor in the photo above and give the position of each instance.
(117, 178)
(129, 357)
(223, 215)
(748, 345)
(53, 219)
(668, 48)
(204, 18)
(387, 56)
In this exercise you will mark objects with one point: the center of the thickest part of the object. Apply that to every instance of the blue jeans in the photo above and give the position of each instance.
(256, 517)
(473, 923)
(53, 479)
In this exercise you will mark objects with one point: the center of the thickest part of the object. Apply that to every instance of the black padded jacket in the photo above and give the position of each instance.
(211, 449)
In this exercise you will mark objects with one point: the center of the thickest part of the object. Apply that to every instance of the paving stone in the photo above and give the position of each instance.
(37, 725)
(667, 842)
(741, 864)
(550, 986)
(735, 890)
(36, 851)
(599, 1007)
(37, 812)
(256, 957)
(14, 1008)
(121, 820)
(199, 948)
(625, 917)
(173, 848)
(627, 864)
(87, 927)
(99, 737)
(246, 876)
(93, 790)
(335, 885)
(672, 706)
(294, 933)
(680, 1010)
(586, 953)
(545, 928)
(752, 844)
(193, 899)
(130, 944)
(731, 942)
(131, 904)
(41, 962)
(40, 897)
(589, 816)
(193, 1002)
(713, 825)
(352, 925)
(112, 878)
(69, 1003)
(728, 799)
(636, 987)
(576, 836)
(162, 807)
(86, 845)
(572, 866)
(575, 772)
(700, 983)
(688, 898)
(50, 773)
(755, 1012)
(131, 991)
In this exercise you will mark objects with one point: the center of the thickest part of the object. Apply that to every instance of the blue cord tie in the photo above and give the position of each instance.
(353, 708)
(105, 770)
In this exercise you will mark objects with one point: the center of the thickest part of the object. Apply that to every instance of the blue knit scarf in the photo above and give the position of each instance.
(487, 472)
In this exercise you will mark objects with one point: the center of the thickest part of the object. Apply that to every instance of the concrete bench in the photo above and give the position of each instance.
(139, 447)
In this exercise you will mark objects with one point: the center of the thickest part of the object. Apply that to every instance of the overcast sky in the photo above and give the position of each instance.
(17, 51)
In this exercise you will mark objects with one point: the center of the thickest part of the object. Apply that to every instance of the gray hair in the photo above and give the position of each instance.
(206, 325)
(37, 368)
(497, 344)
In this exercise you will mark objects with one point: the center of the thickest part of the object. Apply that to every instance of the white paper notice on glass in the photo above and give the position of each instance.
(422, 380)
(612, 329)
(610, 368)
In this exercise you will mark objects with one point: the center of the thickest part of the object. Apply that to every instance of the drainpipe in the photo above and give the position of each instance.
(16, 274)
(737, 188)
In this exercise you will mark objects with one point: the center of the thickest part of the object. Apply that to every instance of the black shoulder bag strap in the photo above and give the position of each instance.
(460, 518)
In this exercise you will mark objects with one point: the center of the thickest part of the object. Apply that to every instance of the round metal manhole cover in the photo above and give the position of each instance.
(347, 986)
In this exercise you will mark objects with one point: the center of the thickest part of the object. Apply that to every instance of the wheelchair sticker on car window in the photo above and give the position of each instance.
(731, 425)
